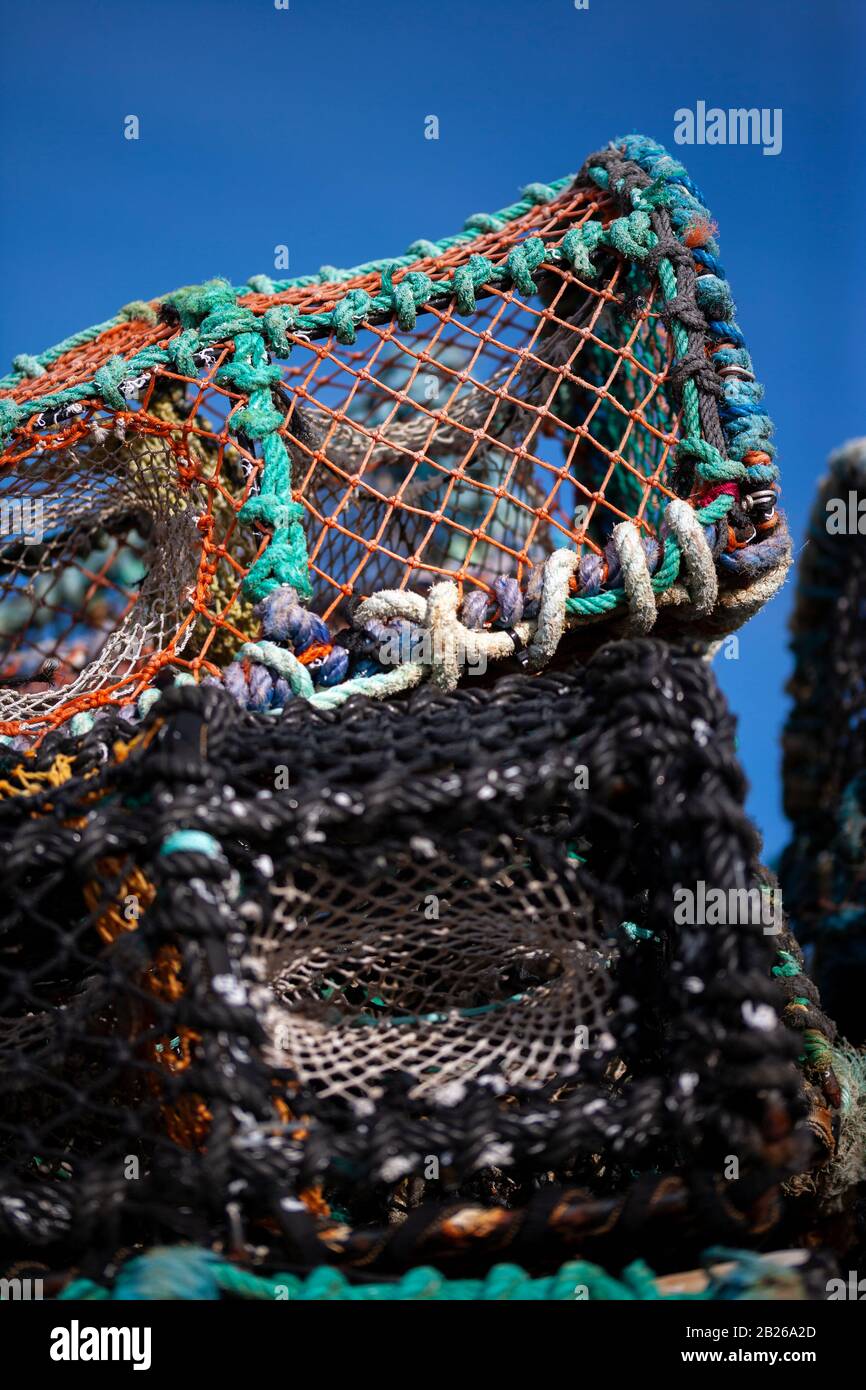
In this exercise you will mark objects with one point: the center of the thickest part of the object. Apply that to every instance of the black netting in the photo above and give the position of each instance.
(299, 975)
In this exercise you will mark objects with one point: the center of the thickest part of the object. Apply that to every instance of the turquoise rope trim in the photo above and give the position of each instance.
(745, 424)
(475, 226)
(210, 314)
(188, 1272)
(191, 842)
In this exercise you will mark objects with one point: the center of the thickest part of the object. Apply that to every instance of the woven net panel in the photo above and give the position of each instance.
(471, 449)
(466, 447)
(432, 972)
(193, 962)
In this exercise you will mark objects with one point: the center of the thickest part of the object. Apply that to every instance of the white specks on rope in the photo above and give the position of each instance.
(636, 579)
(700, 568)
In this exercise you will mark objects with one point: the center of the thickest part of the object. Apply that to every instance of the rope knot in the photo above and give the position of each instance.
(578, 245)
(523, 260)
(248, 376)
(27, 365)
(192, 304)
(632, 236)
(277, 323)
(348, 314)
(407, 297)
(468, 279)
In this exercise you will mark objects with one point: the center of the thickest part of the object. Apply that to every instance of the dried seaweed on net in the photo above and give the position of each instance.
(168, 1044)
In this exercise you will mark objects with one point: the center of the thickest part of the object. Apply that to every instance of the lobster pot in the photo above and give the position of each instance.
(423, 947)
(562, 377)
(466, 448)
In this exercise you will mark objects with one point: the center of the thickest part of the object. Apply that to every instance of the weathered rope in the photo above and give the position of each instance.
(444, 646)
(186, 1272)
(636, 579)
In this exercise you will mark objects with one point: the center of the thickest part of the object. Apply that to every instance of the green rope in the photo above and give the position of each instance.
(789, 966)
(185, 1272)
(190, 1272)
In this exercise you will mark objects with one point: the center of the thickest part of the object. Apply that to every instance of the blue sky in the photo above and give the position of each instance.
(304, 127)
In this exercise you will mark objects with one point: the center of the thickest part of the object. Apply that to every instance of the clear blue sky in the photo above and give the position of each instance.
(305, 127)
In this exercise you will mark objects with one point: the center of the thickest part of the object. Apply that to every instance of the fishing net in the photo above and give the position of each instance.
(362, 988)
(323, 940)
(544, 422)
(442, 968)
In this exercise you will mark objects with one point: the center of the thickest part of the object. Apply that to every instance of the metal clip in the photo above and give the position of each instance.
(762, 502)
(739, 373)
